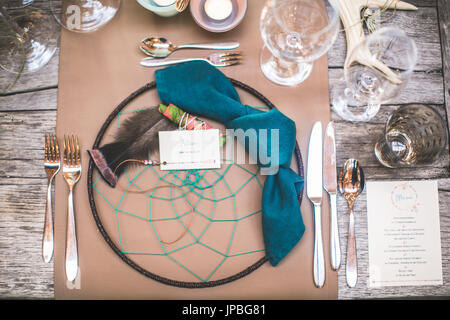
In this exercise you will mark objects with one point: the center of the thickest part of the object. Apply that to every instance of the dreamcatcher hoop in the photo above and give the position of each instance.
(131, 263)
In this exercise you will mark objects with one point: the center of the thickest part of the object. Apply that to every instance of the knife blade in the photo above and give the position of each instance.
(314, 177)
(330, 186)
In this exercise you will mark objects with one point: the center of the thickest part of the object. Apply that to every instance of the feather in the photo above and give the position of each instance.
(137, 139)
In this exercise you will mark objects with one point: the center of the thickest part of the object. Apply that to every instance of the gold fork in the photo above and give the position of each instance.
(215, 59)
(52, 164)
(72, 173)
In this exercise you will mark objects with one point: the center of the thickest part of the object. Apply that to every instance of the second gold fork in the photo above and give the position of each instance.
(72, 173)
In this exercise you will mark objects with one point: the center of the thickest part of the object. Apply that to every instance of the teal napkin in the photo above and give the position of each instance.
(202, 90)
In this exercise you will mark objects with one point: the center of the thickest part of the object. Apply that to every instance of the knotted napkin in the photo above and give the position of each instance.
(202, 90)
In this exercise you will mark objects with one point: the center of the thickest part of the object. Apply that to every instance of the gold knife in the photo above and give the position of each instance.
(330, 185)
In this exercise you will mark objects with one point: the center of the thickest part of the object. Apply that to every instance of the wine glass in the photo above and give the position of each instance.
(28, 37)
(295, 34)
(84, 15)
(376, 71)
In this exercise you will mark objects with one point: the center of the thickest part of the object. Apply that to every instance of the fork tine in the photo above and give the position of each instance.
(56, 148)
(53, 153)
(78, 156)
(233, 53)
(65, 151)
(50, 151)
(231, 58)
(72, 149)
(231, 63)
(69, 151)
(46, 148)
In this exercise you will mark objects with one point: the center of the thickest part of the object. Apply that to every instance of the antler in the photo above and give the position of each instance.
(350, 13)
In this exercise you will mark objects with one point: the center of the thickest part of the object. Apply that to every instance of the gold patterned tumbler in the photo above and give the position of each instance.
(414, 135)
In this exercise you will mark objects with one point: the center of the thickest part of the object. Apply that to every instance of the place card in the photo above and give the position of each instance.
(189, 149)
(404, 233)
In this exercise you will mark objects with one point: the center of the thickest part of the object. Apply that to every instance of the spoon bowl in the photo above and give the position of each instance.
(161, 47)
(351, 181)
(351, 185)
(157, 47)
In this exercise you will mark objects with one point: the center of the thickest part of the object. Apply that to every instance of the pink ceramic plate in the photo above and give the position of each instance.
(200, 17)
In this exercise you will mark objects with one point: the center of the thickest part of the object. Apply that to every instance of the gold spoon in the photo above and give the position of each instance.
(181, 5)
(351, 184)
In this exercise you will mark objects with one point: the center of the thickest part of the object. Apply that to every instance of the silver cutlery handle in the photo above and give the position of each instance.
(351, 272)
(71, 242)
(150, 62)
(47, 239)
(335, 248)
(226, 45)
(319, 265)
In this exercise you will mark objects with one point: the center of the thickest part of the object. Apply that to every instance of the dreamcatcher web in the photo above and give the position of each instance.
(193, 188)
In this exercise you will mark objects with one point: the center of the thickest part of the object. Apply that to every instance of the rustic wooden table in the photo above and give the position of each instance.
(29, 110)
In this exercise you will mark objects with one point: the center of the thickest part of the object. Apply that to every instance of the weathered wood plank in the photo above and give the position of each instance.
(33, 100)
(444, 23)
(22, 271)
(22, 134)
(47, 77)
(420, 25)
(382, 116)
(423, 3)
(423, 87)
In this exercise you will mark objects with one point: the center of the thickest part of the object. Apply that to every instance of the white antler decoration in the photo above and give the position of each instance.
(350, 13)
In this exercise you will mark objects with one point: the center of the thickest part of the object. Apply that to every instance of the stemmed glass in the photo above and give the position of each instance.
(376, 71)
(295, 34)
(28, 37)
(84, 15)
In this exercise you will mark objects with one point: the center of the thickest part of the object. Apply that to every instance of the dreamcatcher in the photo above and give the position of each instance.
(187, 228)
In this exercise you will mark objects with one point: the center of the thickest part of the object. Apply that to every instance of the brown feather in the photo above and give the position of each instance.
(137, 139)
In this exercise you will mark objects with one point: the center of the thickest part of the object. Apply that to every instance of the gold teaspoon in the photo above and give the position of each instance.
(351, 184)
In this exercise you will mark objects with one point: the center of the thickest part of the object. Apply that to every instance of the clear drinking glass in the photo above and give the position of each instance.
(84, 15)
(376, 71)
(414, 135)
(295, 34)
(28, 36)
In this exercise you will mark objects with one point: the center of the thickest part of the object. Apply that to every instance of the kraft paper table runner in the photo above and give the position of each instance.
(99, 70)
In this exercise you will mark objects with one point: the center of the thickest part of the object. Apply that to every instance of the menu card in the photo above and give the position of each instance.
(404, 233)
